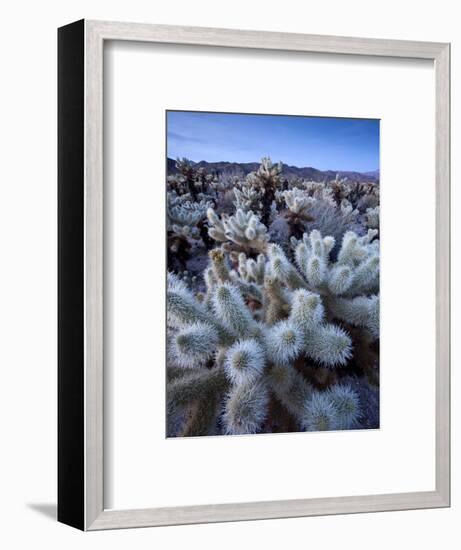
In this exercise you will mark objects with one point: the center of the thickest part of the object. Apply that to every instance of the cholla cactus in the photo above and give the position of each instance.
(190, 180)
(248, 197)
(193, 181)
(314, 207)
(372, 216)
(185, 215)
(321, 414)
(370, 198)
(361, 195)
(187, 278)
(245, 361)
(347, 208)
(245, 408)
(184, 180)
(321, 191)
(347, 405)
(242, 232)
(263, 337)
(298, 210)
(184, 224)
(268, 172)
(266, 181)
(298, 202)
(354, 274)
(250, 270)
(267, 348)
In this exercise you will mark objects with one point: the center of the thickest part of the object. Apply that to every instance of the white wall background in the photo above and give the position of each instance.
(28, 275)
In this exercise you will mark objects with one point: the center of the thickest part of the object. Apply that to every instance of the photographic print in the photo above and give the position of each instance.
(272, 245)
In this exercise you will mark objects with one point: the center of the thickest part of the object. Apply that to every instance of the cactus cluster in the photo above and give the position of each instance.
(247, 197)
(372, 215)
(191, 180)
(242, 232)
(184, 224)
(268, 336)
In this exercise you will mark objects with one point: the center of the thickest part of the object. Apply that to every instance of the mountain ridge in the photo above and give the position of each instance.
(242, 169)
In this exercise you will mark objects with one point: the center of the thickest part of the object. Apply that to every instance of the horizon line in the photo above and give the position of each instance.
(259, 162)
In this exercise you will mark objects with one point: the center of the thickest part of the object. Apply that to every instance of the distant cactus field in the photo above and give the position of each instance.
(272, 300)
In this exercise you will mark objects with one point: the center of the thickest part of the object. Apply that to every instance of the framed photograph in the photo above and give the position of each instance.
(254, 240)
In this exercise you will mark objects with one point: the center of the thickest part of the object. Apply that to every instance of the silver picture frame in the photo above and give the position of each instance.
(80, 312)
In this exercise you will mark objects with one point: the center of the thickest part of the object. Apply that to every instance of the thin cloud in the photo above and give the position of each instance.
(185, 138)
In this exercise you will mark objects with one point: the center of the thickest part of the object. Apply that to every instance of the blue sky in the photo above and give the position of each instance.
(324, 143)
